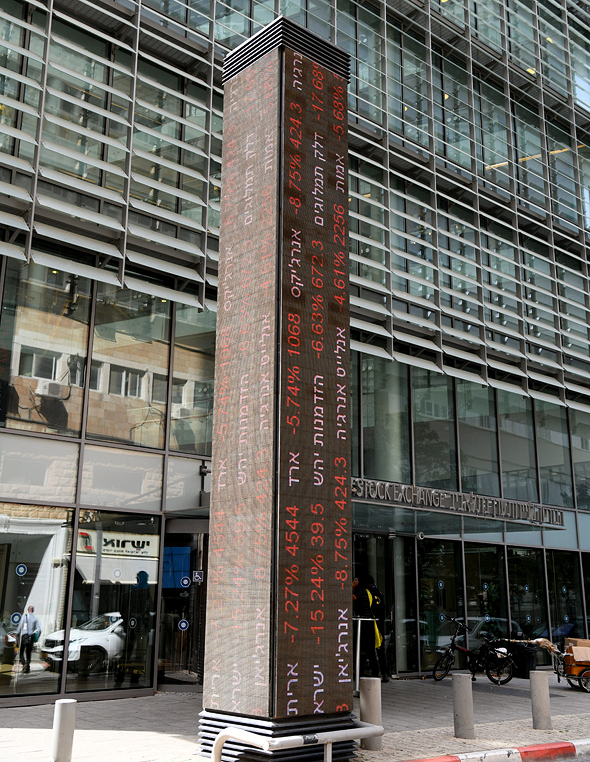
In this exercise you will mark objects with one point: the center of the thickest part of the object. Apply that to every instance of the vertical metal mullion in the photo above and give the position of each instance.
(410, 377)
(457, 440)
(68, 608)
(168, 423)
(537, 464)
(417, 585)
(158, 613)
(39, 131)
(507, 585)
(498, 444)
(129, 158)
(547, 595)
(568, 421)
(582, 586)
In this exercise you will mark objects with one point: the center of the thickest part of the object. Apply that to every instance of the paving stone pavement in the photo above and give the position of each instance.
(417, 717)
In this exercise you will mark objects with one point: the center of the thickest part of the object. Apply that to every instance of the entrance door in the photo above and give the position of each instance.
(182, 617)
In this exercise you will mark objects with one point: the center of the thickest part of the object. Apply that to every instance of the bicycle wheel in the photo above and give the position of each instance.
(443, 666)
(573, 683)
(500, 670)
(584, 680)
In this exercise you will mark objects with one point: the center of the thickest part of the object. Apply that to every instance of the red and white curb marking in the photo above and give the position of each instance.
(542, 752)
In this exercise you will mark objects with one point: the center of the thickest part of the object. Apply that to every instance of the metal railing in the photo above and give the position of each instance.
(361, 730)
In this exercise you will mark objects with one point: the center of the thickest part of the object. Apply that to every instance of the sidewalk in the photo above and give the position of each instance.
(417, 717)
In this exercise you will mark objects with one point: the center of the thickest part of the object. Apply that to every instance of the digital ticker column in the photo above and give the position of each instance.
(279, 618)
(314, 524)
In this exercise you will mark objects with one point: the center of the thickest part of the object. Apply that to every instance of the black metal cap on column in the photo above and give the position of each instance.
(283, 32)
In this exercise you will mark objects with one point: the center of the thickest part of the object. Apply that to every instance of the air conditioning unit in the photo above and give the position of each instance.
(180, 411)
(49, 389)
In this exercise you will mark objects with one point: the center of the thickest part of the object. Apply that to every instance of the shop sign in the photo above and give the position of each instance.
(456, 502)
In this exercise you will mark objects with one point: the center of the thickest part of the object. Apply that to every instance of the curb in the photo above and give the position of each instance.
(543, 752)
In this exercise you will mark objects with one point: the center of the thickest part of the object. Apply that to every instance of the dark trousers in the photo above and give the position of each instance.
(26, 647)
(368, 647)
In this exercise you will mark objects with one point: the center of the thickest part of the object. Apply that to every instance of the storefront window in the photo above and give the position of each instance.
(191, 416)
(487, 609)
(526, 584)
(435, 454)
(517, 445)
(476, 412)
(129, 361)
(386, 427)
(580, 431)
(565, 597)
(35, 547)
(440, 576)
(43, 346)
(113, 622)
(554, 454)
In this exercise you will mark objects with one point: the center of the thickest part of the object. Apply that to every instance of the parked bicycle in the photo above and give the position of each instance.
(490, 658)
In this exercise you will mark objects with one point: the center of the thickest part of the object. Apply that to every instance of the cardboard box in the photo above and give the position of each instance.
(581, 654)
(581, 642)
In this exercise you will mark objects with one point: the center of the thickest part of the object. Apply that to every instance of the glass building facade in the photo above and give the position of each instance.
(469, 195)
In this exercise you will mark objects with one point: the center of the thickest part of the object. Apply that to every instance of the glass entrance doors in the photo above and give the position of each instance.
(182, 617)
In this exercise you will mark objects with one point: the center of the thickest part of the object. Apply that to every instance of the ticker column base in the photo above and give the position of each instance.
(211, 722)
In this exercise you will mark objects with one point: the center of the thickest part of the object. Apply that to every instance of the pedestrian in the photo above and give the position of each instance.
(28, 631)
(378, 610)
(362, 610)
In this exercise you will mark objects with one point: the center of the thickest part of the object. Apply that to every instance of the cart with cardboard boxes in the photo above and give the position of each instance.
(573, 663)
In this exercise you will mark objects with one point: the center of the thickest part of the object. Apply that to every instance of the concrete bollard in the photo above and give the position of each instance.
(370, 698)
(463, 706)
(64, 721)
(540, 702)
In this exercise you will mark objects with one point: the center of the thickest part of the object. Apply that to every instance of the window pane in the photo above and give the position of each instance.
(38, 469)
(131, 341)
(441, 594)
(43, 346)
(183, 487)
(517, 445)
(35, 546)
(580, 430)
(565, 597)
(554, 455)
(121, 478)
(527, 593)
(476, 412)
(113, 616)
(191, 425)
(386, 427)
(434, 432)
(487, 607)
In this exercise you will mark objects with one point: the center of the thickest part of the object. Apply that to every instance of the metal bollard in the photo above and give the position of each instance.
(540, 702)
(463, 706)
(370, 692)
(64, 721)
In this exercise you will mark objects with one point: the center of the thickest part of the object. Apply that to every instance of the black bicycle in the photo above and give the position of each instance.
(491, 658)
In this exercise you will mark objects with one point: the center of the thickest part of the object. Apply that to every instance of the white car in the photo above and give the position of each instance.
(93, 646)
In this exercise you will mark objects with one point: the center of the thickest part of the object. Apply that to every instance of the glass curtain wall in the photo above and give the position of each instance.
(554, 454)
(528, 602)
